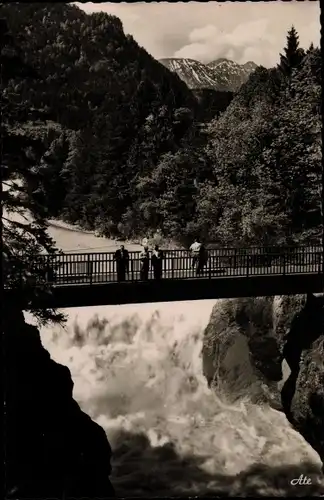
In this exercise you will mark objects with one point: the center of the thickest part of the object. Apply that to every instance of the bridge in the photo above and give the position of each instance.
(88, 279)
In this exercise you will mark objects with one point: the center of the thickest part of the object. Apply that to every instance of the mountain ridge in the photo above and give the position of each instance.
(221, 74)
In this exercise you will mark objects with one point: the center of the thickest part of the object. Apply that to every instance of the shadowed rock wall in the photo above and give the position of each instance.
(53, 449)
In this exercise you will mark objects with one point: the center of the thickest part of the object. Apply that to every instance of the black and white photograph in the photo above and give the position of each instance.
(162, 249)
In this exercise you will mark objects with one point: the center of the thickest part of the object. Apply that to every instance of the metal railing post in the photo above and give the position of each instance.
(209, 264)
(247, 265)
(132, 269)
(284, 264)
(89, 268)
(67, 269)
(172, 267)
(320, 262)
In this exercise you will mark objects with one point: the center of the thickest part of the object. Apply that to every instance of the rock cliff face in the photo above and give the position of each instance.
(52, 448)
(271, 349)
(303, 393)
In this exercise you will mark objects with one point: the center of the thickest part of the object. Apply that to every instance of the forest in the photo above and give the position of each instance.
(120, 145)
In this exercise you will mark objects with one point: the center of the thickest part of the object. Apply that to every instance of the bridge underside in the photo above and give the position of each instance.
(178, 290)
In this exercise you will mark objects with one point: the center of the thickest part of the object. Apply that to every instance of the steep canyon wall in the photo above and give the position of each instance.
(270, 349)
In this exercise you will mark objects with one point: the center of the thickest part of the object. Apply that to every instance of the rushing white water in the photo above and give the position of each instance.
(137, 371)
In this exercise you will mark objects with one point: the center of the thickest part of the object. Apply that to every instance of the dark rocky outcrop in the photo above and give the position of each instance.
(303, 393)
(237, 343)
(52, 448)
(248, 341)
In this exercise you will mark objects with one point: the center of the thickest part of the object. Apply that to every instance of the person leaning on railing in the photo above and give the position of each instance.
(195, 251)
(199, 256)
(202, 258)
(145, 263)
(157, 259)
(122, 260)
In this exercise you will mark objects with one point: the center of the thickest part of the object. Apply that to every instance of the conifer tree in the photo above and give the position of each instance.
(24, 226)
(310, 49)
(293, 54)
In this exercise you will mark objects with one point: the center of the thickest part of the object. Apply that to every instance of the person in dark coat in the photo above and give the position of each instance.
(202, 258)
(122, 260)
(50, 270)
(157, 259)
(145, 263)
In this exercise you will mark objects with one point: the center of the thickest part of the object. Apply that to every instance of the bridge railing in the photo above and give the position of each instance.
(177, 264)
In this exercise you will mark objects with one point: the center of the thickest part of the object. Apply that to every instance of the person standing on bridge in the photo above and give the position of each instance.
(202, 258)
(50, 269)
(157, 259)
(195, 251)
(145, 263)
(122, 260)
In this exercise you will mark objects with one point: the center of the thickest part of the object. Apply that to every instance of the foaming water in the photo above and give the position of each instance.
(137, 371)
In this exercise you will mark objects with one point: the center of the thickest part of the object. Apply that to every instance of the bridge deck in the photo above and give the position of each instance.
(91, 279)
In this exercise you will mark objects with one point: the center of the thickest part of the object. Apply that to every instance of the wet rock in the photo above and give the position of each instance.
(242, 350)
(248, 341)
(53, 449)
(303, 393)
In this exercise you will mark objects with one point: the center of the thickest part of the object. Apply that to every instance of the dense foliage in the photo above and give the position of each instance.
(212, 102)
(131, 154)
(266, 157)
(259, 178)
(125, 109)
(25, 132)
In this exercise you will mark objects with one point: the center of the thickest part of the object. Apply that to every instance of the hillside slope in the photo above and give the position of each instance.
(88, 65)
(267, 161)
(131, 157)
(119, 108)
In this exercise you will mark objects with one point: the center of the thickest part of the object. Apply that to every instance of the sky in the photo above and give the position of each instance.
(241, 32)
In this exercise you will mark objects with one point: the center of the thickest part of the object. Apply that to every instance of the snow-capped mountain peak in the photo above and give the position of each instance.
(194, 73)
(221, 74)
